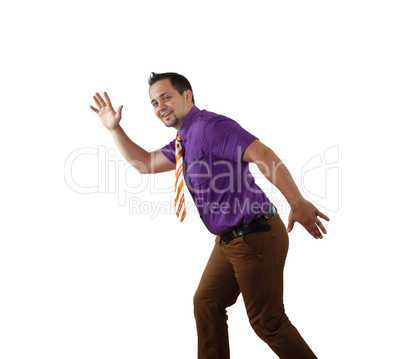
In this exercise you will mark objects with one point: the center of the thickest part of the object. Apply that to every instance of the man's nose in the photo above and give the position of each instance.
(161, 106)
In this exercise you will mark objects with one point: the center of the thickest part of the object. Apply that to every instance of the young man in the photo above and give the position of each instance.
(211, 153)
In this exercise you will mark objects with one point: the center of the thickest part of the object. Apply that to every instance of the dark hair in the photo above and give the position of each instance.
(179, 82)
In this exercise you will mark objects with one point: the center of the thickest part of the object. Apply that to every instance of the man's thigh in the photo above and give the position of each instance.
(258, 260)
(218, 283)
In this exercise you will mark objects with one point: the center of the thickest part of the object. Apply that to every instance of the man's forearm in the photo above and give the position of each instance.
(278, 174)
(134, 154)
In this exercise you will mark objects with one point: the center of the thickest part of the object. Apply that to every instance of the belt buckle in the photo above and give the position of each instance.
(269, 211)
(229, 236)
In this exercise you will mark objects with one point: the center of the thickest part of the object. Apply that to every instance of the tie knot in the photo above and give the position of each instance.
(178, 139)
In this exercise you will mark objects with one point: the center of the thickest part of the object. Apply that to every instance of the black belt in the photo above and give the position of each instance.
(258, 225)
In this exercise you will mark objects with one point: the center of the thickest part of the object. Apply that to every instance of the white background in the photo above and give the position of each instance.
(82, 277)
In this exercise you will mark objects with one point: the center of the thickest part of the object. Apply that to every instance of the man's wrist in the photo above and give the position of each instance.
(296, 201)
(116, 129)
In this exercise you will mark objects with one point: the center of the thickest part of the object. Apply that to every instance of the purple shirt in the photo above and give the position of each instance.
(222, 187)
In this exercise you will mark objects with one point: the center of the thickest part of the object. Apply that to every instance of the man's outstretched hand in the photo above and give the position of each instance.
(307, 215)
(108, 116)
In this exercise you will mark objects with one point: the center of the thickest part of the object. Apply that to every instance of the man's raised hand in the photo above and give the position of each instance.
(108, 116)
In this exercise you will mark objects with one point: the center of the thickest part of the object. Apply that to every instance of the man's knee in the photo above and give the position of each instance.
(201, 301)
(267, 326)
(206, 305)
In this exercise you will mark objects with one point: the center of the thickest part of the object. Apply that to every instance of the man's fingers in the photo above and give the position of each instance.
(97, 103)
(94, 109)
(322, 215)
(290, 225)
(316, 230)
(107, 99)
(100, 99)
(310, 230)
(320, 225)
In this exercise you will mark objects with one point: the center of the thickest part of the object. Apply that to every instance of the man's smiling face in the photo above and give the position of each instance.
(169, 106)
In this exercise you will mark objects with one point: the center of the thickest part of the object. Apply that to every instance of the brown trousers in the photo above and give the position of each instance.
(252, 265)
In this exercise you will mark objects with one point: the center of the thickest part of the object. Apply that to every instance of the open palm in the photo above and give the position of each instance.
(108, 116)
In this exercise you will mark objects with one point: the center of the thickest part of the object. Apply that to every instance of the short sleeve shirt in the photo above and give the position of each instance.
(222, 187)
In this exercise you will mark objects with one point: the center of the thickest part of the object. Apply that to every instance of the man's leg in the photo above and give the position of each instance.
(258, 260)
(218, 289)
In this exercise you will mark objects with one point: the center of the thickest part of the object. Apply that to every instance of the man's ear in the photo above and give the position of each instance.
(189, 96)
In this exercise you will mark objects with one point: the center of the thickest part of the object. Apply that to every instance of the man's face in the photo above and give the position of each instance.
(169, 106)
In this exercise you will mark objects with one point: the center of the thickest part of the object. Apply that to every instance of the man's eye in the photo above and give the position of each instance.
(167, 98)
(154, 104)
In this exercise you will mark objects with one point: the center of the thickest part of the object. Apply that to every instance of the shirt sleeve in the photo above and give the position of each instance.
(169, 151)
(227, 139)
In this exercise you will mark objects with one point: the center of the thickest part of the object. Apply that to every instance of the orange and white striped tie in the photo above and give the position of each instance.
(179, 186)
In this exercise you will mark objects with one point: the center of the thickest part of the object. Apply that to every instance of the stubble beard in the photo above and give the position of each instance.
(173, 123)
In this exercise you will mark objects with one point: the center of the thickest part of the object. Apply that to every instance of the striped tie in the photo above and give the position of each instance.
(179, 201)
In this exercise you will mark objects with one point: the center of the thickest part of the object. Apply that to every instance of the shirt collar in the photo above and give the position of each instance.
(187, 122)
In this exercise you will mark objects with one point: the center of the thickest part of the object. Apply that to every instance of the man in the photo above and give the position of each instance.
(212, 153)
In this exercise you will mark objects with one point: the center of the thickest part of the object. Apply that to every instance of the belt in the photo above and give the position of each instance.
(258, 225)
